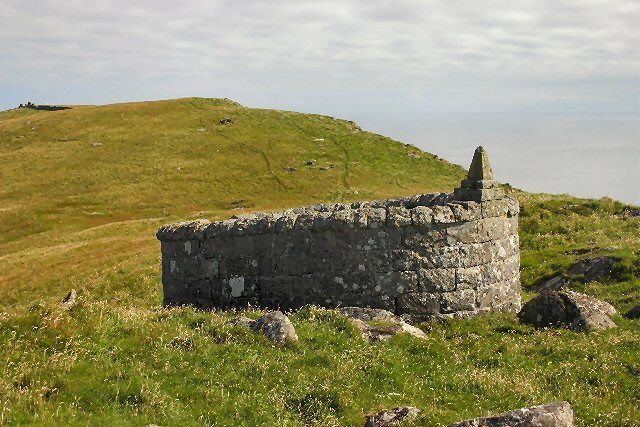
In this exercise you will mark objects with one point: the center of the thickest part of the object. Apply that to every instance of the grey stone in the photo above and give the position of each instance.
(593, 269)
(377, 325)
(554, 414)
(393, 417)
(634, 313)
(275, 326)
(574, 310)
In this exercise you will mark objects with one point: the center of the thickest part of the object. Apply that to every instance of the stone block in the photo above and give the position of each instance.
(466, 211)
(421, 304)
(437, 279)
(462, 300)
(443, 214)
(422, 217)
(398, 216)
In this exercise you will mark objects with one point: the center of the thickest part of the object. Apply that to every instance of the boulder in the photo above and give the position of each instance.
(276, 326)
(392, 417)
(634, 313)
(554, 414)
(377, 325)
(574, 310)
(592, 269)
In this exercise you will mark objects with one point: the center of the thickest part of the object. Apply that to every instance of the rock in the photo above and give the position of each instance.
(242, 321)
(377, 325)
(71, 300)
(554, 414)
(392, 417)
(290, 169)
(592, 269)
(574, 310)
(318, 140)
(226, 120)
(634, 313)
(276, 326)
(200, 130)
(325, 168)
(311, 162)
(97, 144)
(554, 284)
(414, 155)
(586, 270)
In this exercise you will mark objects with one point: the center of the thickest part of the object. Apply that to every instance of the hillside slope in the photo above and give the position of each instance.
(84, 191)
(94, 182)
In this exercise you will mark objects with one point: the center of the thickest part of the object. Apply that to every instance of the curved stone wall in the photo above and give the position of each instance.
(424, 257)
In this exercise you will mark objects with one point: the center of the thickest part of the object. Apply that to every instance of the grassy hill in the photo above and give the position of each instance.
(84, 190)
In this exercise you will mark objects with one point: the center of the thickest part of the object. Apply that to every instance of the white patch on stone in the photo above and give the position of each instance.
(172, 266)
(237, 286)
(187, 246)
(253, 263)
(361, 267)
(355, 286)
(339, 280)
(382, 234)
(378, 288)
(400, 289)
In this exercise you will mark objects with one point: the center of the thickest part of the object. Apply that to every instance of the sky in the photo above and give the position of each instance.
(343, 57)
(396, 67)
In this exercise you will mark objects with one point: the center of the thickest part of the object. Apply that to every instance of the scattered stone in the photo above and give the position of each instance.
(200, 130)
(290, 169)
(71, 300)
(630, 212)
(318, 140)
(393, 417)
(311, 162)
(242, 321)
(574, 310)
(276, 326)
(593, 269)
(226, 120)
(97, 144)
(554, 414)
(325, 168)
(634, 313)
(414, 155)
(377, 325)
(586, 270)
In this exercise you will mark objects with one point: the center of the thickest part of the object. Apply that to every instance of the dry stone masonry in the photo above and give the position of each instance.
(423, 257)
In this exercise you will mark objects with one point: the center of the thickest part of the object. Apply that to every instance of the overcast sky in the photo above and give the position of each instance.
(358, 59)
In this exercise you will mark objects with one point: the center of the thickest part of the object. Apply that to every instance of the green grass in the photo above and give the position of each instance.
(74, 215)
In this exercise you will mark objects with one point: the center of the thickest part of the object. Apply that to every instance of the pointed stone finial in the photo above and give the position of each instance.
(480, 169)
(479, 185)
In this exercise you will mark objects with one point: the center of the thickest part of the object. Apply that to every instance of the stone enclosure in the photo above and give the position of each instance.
(423, 257)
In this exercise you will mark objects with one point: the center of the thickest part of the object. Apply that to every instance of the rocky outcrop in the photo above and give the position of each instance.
(574, 310)
(377, 325)
(276, 326)
(392, 417)
(554, 414)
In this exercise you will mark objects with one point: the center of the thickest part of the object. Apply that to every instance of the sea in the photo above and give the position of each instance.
(586, 155)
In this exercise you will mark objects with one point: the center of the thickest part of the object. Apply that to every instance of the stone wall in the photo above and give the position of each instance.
(423, 257)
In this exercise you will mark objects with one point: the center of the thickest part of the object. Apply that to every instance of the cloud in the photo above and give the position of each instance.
(101, 51)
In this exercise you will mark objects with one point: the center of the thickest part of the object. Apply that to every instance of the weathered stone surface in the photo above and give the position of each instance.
(393, 417)
(634, 313)
(377, 325)
(425, 256)
(276, 326)
(586, 270)
(574, 310)
(554, 414)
